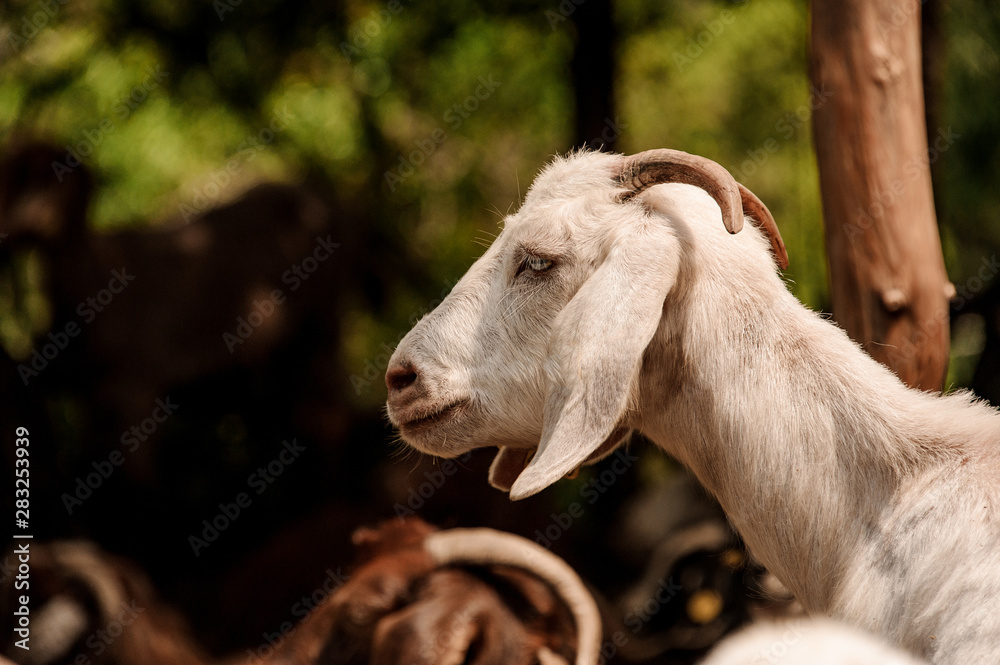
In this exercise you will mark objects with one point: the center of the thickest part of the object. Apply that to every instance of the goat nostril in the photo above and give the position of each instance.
(400, 377)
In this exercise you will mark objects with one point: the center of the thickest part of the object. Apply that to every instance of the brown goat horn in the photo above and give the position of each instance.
(765, 222)
(655, 167)
(489, 547)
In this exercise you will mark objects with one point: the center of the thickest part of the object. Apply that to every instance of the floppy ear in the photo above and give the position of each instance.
(507, 465)
(597, 348)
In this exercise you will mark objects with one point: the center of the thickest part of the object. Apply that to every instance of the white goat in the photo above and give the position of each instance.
(805, 642)
(608, 305)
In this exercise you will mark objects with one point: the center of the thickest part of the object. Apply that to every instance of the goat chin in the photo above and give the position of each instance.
(614, 301)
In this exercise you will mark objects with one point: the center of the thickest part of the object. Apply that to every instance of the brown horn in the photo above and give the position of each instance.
(756, 209)
(655, 167)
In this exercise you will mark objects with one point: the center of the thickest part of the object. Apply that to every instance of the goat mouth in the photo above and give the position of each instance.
(429, 421)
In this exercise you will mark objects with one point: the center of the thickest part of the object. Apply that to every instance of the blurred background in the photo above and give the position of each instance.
(217, 218)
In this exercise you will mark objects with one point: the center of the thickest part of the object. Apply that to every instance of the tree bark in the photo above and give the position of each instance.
(889, 288)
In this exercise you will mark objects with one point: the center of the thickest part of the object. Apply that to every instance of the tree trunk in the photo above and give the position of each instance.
(888, 284)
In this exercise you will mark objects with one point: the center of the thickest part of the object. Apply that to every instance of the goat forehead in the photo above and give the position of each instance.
(574, 221)
(575, 173)
(538, 230)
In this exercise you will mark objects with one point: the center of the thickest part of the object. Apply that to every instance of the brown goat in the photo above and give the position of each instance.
(405, 604)
(93, 608)
(402, 606)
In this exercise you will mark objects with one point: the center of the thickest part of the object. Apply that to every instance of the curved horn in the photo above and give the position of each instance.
(546, 656)
(756, 209)
(655, 167)
(486, 546)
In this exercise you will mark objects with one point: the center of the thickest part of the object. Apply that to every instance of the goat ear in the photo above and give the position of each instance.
(507, 466)
(596, 351)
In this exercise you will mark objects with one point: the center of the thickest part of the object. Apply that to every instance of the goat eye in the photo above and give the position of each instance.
(537, 263)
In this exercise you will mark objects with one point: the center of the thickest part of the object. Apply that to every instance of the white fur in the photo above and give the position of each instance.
(805, 642)
(872, 502)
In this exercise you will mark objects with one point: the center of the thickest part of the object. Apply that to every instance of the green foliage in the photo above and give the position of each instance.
(369, 89)
(969, 209)
(729, 81)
